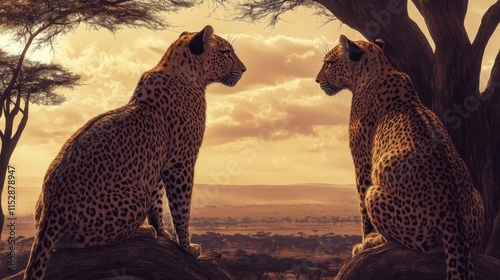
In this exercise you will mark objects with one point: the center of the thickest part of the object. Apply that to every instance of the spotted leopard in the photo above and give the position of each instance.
(413, 186)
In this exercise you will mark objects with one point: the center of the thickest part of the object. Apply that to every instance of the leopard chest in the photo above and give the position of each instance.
(185, 122)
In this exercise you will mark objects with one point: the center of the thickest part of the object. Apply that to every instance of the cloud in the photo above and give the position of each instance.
(274, 113)
(277, 59)
(277, 99)
(324, 157)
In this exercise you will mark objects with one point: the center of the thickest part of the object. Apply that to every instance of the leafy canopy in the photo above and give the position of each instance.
(37, 81)
(28, 18)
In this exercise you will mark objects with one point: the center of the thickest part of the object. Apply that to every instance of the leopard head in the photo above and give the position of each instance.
(215, 55)
(345, 64)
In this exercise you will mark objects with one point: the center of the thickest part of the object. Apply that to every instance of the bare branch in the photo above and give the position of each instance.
(492, 97)
(444, 31)
(17, 103)
(22, 123)
(270, 10)
(494, 80)
(493, 248)
(489, 23)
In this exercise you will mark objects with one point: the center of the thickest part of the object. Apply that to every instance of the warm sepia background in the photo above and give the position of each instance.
(275, 127)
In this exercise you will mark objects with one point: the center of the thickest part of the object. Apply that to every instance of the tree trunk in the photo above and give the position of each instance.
(447, 79)
(395, 262)
(5, 155)
(138, 258)
(9, 139)
(492, 248)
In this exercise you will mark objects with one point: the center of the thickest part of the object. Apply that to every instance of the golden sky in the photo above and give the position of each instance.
(275, 127)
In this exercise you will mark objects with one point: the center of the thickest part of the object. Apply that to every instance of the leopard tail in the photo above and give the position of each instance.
(456, 246)
(44, 244)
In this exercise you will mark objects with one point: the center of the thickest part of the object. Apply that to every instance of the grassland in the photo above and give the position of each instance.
(250, 209)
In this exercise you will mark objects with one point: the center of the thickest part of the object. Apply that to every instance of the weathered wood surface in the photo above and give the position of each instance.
(133, 259)
(395, 262)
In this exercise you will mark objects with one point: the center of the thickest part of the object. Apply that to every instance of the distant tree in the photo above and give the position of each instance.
(337, 262)
(331, 273)
(240, 253)
(262, 264)
(323, 268)
(36, 24)
(282, 267)
(296, 270)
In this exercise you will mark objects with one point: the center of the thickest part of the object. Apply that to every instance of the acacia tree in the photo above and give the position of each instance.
(37, 24)
(447, 77)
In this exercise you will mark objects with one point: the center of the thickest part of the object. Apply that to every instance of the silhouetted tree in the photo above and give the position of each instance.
(37, 23)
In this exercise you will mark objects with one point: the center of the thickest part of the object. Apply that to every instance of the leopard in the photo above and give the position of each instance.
(413, 187)
(109, 179)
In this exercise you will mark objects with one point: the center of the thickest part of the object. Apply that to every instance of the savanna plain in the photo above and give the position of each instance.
(273, 231)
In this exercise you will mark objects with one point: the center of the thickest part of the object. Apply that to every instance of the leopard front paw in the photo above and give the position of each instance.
(163, 233)
(357, 248)
(145, 231)
(193, 249)
(371, 240)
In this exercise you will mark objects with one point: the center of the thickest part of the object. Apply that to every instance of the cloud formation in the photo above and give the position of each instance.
(276, 105)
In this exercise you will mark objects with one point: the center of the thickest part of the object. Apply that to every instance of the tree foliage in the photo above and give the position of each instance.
(37, 82)
(273, 10)
(55, 17)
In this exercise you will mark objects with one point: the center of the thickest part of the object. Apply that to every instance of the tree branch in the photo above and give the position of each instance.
(494, 80)
(22, 123)
(17, 104)
(394, 262)
(491, 96)
(493, 248)
(145, 258)
(489, 23)
(449, 28)
(453, 79)
(267, 9)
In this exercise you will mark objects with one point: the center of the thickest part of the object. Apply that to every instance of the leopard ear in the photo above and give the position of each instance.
(202, 41)
(380, 43)
(353, 51)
